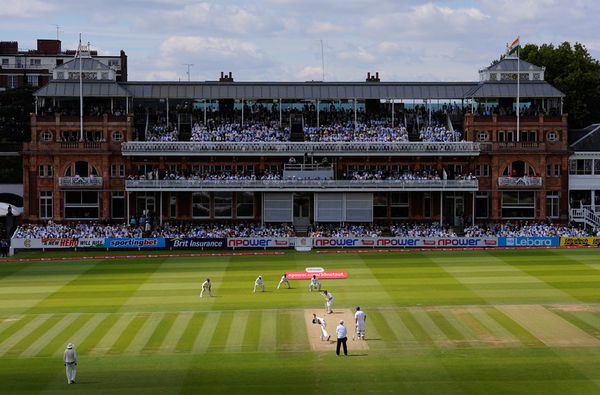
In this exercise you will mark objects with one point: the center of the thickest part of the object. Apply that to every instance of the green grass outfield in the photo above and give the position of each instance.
(454, 322)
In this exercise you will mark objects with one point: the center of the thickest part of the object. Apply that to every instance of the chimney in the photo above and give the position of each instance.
(230, 76)
(226, 77)
(222, 75)
(377, 76)
(368, 75)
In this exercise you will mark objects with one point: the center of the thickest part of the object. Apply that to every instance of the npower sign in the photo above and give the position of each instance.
(258, 242)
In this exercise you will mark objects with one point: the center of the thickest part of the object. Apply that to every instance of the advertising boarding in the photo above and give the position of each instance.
(252, 242)
(414, 242)
(528, 241)
(197, 243)
(580, 241)
(44, 243)
(135, 243)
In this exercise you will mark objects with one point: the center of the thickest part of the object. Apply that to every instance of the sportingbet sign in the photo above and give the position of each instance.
(415, 242)
(135, 243)
(529, 241)
(326, 274)
(251, 242)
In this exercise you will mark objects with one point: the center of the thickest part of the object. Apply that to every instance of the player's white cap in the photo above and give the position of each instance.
(70, 345)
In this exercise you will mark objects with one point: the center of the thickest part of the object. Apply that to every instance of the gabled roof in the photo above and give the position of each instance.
(513, 64)
(587, 139)
(87, 64)
(70, 88)
(527, 89)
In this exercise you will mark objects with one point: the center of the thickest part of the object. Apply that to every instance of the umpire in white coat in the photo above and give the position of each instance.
(70, 360)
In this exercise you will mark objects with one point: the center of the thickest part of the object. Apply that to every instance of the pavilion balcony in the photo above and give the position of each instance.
(520, 182)
(191, 148)
(80, 182)
(301, 185)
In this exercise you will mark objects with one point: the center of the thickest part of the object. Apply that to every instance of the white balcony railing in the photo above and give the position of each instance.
(302, 185)
(80, 181)
(520, 181)
(299, 148)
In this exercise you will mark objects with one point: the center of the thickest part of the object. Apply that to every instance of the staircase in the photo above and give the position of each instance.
(585, 216)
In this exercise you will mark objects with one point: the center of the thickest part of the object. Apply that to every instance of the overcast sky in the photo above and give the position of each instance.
(405, 40)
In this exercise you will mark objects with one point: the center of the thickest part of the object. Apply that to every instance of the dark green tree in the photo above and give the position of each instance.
(16, 105)
(572, 70)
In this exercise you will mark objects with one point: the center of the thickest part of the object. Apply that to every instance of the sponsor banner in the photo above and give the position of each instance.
(407, 242)
(327, 274)
(580, 241)
(528, 241)
(135, 243)
(57, 243)
(244, 242)
(314, 270)
(197, 243)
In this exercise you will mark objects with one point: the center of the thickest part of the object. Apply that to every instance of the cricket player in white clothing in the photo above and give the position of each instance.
(284, 280)
(259, 282)
(70, 360)
(314, 284)
(206, 287)
(360, 318)
(321, 321)
(328, 302)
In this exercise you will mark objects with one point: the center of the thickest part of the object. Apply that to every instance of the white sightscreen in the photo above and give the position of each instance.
(343, 207)
(359, 207)
(278, 207)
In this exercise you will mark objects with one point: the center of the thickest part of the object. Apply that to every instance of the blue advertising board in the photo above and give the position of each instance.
(135, 243)
(528, 241)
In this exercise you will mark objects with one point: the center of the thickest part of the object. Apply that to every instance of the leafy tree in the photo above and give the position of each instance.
(16, 105)
(572, 70)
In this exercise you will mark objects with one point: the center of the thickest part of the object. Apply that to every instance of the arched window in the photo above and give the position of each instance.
(519, 168)
(81, 169)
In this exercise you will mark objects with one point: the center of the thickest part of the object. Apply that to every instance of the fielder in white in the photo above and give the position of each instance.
(328, 302)
(314, 284)
(206, 287)
(323, 323)
(259, 282)
(360, 318)
(70, 360)
(284, 280)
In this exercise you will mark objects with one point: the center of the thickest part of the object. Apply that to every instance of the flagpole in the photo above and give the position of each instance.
(518, 89)
(80, 93)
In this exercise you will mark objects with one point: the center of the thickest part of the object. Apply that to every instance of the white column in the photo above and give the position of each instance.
(393, 114)
(355, 116)
(318, 122)
(161, 208)
(441, 208)
(128, 213)
(204, 112)
(280, 114)
(167, 111)
(473, 210)
(242, 124)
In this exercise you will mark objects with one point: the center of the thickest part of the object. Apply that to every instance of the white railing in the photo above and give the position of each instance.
(80, 181)
(224, 185)
(299, 148)
(586, 216)
(520, 181)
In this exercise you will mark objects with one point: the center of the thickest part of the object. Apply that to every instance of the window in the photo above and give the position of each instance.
(528, 135)
(113, 63)
(553, 170)
(173, 168)
(552, 136)
(117, 136)
(427, 205)
(380, 201)
(399, 204)
(60, 75)
(117, 205)
(41, 171)
(482, 205)
(59, 61)
(33, 80)
(223, 203)
(46, 204)
(12, 81)
(552, 204)
(46, 135)
(506, 136)
(482, 136)
(518, 204)
(536, 76)
(482, 170)
(200, 205)
(49, 170)
(35, 62)
(117, 171)
(104, 75)
(5, 62)
(81, 205)
(493, 77)
(244, 205)
(580, 166)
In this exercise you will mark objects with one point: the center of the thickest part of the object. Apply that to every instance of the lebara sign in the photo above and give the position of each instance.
(135, 243)
(529, 241)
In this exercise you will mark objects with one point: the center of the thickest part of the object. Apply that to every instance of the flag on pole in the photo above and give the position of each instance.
(514, 46)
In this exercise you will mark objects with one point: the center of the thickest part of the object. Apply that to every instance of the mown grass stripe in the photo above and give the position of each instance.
(484, 336)
(175, 333)
(186, 342)
(591, 319)
(49, 335)
(23, 332)
(497, 330)
(160, 333)
(268, 331)
(416, 330)
(144, 334)
(513, 327)
(299, 334)
(236, 331)
(252, 334)
(579, 320)
(40, 331)
(7, 322)
(206, 333)
(219, 337)
(400, 330)
(377, 319)
(111, 336)
(76, 335)
(455, 338)
(64, 337)
(129, 333)
(85, 342)
(284, 331)
(429, 326)
(453, 319)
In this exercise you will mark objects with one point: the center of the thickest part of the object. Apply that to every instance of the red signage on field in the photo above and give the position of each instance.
(325, 274)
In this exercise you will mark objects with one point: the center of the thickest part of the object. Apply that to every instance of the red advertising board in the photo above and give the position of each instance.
(324, 274)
